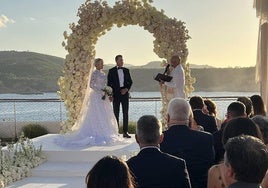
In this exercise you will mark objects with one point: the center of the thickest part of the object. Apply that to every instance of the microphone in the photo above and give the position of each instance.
(166, 70)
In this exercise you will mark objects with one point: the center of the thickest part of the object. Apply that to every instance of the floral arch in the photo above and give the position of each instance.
(96, 18)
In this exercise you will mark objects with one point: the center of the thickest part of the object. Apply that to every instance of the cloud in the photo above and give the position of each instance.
(4, 20)
(32, 19)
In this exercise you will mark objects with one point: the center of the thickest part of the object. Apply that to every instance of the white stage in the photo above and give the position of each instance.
(67, 168)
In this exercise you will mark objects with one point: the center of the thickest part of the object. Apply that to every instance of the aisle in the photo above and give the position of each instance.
(67, 168)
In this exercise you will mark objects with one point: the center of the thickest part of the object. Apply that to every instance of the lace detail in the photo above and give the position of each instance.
(97, 124)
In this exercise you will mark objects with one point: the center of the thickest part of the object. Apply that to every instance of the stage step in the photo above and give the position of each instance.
(59, 169)
(50, 182)
(67, 168)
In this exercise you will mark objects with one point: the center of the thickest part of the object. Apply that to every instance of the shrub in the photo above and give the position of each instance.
(33, 130)
(131, 127)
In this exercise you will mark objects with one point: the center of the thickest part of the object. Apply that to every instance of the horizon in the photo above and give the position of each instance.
(223, 34)
(113, 64)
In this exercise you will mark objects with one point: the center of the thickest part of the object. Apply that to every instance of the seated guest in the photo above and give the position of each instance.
(258, 105)
(262, 122)
(195, 147)
(110, 172)
(259, 116)
(235, 127)
(248, 104)
(212, 110)
(246, 162)
(234, 110)
(206, 121)
(151, 167)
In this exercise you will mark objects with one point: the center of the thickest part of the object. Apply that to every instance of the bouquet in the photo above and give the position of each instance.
(107, 91)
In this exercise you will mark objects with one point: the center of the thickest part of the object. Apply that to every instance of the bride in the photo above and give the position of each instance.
(96, 124)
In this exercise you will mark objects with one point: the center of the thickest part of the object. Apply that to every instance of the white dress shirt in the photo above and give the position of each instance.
(121, 77)
(177, 82)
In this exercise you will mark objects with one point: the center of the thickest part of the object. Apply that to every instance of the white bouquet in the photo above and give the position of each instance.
(107, 91)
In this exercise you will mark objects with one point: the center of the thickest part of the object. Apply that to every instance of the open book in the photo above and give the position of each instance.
(163, 77)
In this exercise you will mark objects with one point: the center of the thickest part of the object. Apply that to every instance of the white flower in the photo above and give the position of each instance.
(17, 161)
(107, 91)
(96, 18)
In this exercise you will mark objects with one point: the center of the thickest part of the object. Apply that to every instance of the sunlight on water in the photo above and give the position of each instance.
(54, 111)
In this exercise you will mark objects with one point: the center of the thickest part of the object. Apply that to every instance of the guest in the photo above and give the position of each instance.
(259, 116)
(247, 102)
(246, 162)
(258, 105)
(262, 122)
(206, 121)
(151, 167)
(120, 80)
(234, 110)
(176, 85)
(195, 147)
(110, 172)
(235, 127)
(212, 110)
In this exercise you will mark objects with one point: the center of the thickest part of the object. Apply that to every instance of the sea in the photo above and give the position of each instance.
(55, 111)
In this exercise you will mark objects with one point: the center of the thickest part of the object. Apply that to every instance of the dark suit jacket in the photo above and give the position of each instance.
(218, 145)
(154, 169)
(113, 80)
(195, 147)
(240, 184)
(206, 121)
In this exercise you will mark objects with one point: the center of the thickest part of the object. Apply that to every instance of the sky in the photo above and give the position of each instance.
(223, 33)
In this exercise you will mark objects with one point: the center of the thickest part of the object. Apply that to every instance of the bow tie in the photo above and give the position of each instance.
(119, 67)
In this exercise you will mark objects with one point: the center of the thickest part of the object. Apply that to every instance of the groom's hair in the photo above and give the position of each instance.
(117, 57)
(148, 129)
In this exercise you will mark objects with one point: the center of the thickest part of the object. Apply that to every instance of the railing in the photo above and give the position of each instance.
(19, 110)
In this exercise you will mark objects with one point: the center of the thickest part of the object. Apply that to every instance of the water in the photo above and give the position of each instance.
(55, 111)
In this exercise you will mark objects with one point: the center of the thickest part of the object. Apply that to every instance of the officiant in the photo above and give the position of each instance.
(175, 88)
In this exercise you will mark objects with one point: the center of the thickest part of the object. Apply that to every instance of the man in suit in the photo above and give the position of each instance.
(208, 122)
(246, 162)
(195, 147)
(151, 167)
(234, 110)
(120, 81)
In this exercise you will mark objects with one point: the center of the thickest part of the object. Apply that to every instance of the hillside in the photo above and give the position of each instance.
(210, 79)
(29, 72)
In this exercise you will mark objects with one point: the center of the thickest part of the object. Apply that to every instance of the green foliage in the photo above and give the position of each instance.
(131, 128)
(33, 130)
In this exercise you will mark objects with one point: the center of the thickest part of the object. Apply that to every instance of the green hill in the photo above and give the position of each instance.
(29, 72)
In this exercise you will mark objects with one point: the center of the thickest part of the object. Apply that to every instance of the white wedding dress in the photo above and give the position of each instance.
(96, 124)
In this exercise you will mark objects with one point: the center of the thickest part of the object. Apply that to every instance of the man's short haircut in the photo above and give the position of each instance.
(117, 57)
(196, 102)
(236, 109)
(148, 129)
(240, 126)
(179, 109)
(248, 157)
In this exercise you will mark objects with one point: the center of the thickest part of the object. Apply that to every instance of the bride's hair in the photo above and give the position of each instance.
(96, 62)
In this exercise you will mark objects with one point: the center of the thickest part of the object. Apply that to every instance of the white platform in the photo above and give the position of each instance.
(67, 168)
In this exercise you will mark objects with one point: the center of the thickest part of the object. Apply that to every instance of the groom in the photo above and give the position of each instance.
(120, 80)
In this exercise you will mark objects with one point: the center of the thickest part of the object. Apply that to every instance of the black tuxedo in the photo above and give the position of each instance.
(155, 169)
(195, 147)
(240, 184)
(113, 82)
(208, 122)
